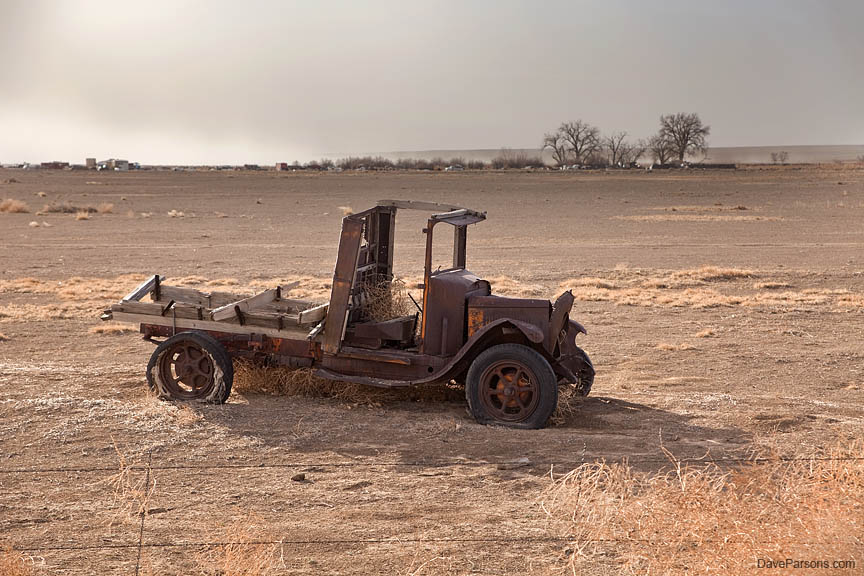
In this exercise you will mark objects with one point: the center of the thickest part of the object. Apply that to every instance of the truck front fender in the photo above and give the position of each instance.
(501, 329)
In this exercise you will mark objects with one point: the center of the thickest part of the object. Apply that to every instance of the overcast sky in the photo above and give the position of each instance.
(232, 82)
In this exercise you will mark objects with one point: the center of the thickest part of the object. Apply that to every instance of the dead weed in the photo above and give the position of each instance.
(12, 206)
(704, 515)
(13, 563)
(248, 548)
(282, 381)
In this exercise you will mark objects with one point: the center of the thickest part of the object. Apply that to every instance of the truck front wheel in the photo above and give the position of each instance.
(511, 385)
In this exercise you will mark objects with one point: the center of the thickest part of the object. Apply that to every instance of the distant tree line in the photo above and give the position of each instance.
(581, 144)
(506, 159)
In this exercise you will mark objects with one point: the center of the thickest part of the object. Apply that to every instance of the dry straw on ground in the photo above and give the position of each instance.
(105, 208)
(3, 337)
(247, 550)
(82, 215)
(13, 563)
(707, 516)
(12, 206)
(281, 381)
(112, 329)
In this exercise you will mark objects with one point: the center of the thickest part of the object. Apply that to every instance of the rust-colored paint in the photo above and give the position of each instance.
(476, 320)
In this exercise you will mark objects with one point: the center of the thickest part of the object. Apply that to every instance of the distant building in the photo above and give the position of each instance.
(90, 163)
(113, 164)
(281, 166)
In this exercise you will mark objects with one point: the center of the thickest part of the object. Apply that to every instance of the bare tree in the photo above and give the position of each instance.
(555, 142)
(615, 144)
(779, 157)
(685, 133)
(660, 148)
(582, 139)
(632, 151)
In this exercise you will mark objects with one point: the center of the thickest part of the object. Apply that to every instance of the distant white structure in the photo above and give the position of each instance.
(114, 164)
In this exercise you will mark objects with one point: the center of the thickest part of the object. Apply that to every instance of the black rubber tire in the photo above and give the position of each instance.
(221, 358)
(537, 364)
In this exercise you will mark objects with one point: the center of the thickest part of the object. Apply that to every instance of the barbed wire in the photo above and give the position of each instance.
(398, 540)
(434, 464)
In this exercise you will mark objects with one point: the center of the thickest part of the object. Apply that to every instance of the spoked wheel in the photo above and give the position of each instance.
(512, 385)
(191, 366)
(509, 391)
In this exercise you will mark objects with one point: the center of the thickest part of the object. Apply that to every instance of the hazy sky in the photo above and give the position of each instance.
(212, 81)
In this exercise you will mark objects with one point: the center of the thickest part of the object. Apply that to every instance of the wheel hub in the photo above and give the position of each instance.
(187, 371)
(510, 391)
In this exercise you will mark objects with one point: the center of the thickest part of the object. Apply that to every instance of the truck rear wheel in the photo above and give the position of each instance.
(511, 385)
(191, 366)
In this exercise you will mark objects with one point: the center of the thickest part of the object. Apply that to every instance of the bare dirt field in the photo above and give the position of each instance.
(725, 314)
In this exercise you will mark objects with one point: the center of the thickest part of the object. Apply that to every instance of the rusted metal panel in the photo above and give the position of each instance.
(460, 239)
(483, 310)
(558, 319)
(444, 310)
(343, 282)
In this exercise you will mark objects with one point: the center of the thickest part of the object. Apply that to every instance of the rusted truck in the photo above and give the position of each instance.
(512, 354)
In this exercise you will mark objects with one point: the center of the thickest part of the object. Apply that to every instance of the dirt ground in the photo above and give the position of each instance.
(724, 314)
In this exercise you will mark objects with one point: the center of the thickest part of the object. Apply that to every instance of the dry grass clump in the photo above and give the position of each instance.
(707, 333)
(592, 282)
(249, 549)
(24, 285)
(704, 515)
(504, 285)
(12, 206)
(675, 347)
(111, 329)
(105, 208)
(13, 563)
(82, 215)
(223, 282)
(711, 274)
(569, 405)
(3, 337)
(770, 285)
(387, 300)
(282, 381)
(66, 208)
(34, 224)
